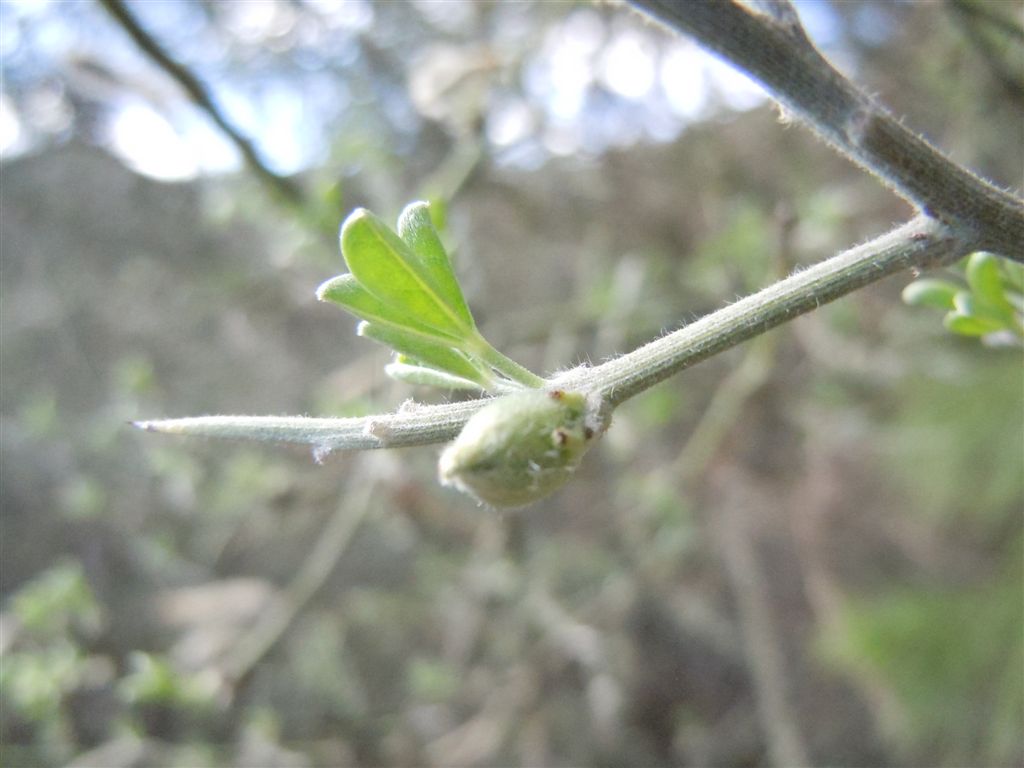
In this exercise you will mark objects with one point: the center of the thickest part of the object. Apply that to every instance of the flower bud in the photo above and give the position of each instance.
(519, 448)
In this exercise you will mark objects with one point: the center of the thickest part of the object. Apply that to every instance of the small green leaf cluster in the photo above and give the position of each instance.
(990, 305)
(403, 289)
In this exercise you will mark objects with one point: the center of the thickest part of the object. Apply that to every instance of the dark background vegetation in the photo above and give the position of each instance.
(811, 544)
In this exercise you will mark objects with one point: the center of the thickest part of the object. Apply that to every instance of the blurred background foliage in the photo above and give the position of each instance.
(809, 546)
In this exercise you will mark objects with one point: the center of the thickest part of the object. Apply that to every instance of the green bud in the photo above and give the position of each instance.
(519, 448)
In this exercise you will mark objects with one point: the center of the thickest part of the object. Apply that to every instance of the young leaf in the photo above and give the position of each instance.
(930, 293)
(386, 267)
(417, 230)
(345, 291)
(969, 325)
(986, 279)
(426, 351)
(1013, 275)
(428, 377)
(972, 304)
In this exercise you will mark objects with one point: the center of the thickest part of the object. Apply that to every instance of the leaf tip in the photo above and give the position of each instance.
(413, 209)
(357, 216)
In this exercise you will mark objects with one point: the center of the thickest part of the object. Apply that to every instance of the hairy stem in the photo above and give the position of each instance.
(920, 242)
(507, 366)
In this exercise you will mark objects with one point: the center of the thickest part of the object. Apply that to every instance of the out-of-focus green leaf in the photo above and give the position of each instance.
(970, 304)
(986, 279)
(424, 350)
(345, 291)
(969, 325)
(930, 292)
(417, 230)
(1013, 274)
(55, 599)
(387, 268)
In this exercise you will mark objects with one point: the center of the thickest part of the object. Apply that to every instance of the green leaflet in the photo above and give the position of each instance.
(387, 268)
(425, 351)
(969, 325)
(986, 279)
(930, 292)
(417, 230)
(348, 293)
(427, 377)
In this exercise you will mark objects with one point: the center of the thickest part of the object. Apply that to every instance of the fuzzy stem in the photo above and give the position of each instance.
(918, 243)
(419, 425)
(506, 365)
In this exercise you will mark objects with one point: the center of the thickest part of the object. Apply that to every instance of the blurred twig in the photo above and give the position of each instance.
(737, 541)
(317, 567)
(763, 644)
(284, 188)
(754, 370)
(975, 21)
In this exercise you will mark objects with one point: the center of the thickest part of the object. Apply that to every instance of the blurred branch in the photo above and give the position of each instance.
(983, 14)
(764, 649)
(285, 188)
(973, 19)
(731, 395)
(317, 567)
(796, 75)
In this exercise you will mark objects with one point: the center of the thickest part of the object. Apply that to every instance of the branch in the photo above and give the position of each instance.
(332, 542)
(200, 95)
(920, 243)
(412, 424)
(786, 64)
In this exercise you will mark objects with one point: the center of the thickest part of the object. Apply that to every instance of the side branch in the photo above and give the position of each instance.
(920, 243)
(781, 58)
